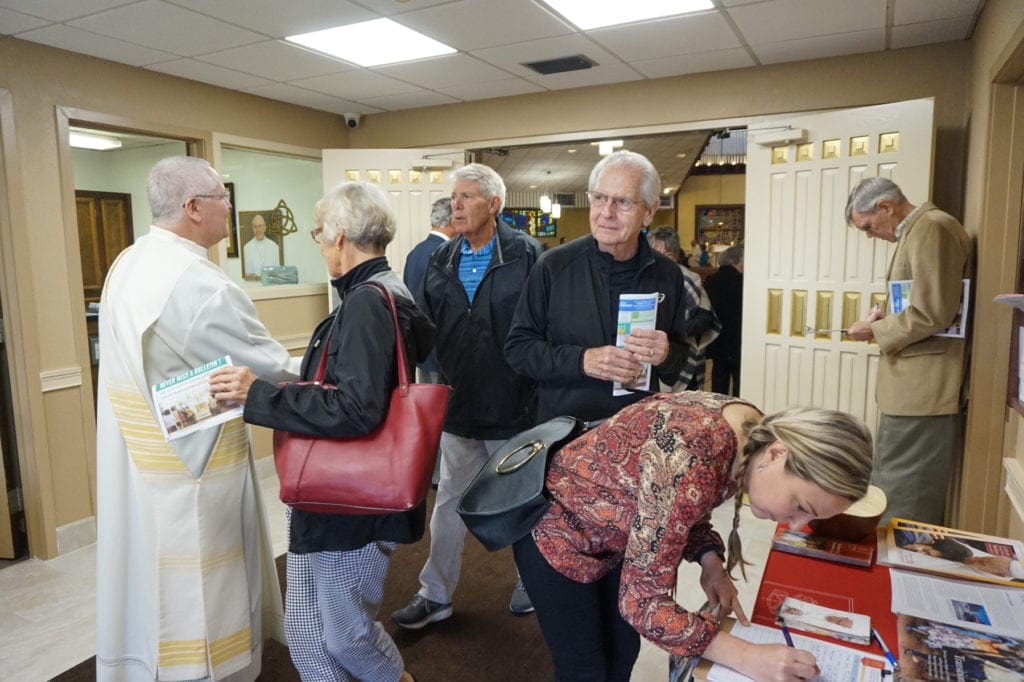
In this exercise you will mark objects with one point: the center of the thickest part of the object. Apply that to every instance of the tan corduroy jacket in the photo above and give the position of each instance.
(919, 373)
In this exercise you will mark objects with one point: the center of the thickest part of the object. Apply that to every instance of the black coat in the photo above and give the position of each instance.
(489, 400)
(361, 363)
(725, 289)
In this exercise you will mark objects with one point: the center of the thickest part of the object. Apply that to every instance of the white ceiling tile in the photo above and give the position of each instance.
(358, 84)
(77, 40)
(473, 24)
(503, 88)
(389, 8)
(928, 32)
(821, 46)
(208, 73)
(276, 60)
(597, 75)
(917, 11)
(772, 22)
(166, 27)
(737, 3)
(410, 100)
(510, 57)
(61, 10)
(698, 62)
(443, 71)
(678, 35)
(279, 19)
(12, 22)
(308, 98)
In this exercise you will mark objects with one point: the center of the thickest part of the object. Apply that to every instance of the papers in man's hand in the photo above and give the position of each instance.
(636, 311)
(899, 300)
(836, 662)
(184, 404)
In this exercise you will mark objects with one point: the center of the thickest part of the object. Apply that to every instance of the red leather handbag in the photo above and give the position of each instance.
(388, 470)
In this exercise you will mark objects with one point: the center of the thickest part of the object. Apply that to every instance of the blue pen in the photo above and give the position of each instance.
(785, 633)
(885, 649)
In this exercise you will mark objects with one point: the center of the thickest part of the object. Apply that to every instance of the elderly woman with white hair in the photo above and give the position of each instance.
(337, 563)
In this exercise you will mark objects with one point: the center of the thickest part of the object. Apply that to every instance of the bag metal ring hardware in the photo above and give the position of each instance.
(534, 447)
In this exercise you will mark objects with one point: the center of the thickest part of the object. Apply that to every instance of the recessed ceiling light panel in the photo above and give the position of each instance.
(372, 43)
(587, 14)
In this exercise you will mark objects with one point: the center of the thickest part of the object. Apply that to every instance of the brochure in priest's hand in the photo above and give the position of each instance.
(636, 311)
(184, 404)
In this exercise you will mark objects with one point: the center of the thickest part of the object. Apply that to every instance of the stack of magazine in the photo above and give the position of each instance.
(804, 544)
(959, 597)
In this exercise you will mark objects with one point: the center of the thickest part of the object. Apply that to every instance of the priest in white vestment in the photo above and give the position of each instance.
(259, 251)
(186, 584)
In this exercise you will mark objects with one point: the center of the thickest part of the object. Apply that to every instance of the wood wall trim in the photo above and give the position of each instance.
(60, 379)
(286, 291)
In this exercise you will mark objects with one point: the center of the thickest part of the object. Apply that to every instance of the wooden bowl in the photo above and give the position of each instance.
(857, 522)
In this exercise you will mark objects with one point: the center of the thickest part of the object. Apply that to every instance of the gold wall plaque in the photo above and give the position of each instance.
(373, 176)
(351, 176)
(859, 145)
(851, 308)
(888, 143)
(394, 177)
(774, 311)
(415, 177)
(436, 177)
(823, 313)
(798, 312)
(805, 152)
(780, 154)
(830, 149)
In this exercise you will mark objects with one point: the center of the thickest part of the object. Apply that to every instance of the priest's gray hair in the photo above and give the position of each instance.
(173, 180)
(361, 212)
(650, 182)
(865, 196)
(486, 178)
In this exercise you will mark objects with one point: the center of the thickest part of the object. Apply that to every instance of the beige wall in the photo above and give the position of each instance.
(55, 413)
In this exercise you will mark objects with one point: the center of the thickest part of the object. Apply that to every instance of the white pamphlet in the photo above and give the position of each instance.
(899, 300)
(636, 311)
(990, 608)
(184, 404)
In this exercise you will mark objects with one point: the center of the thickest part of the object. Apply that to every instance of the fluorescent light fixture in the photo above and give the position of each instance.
(587, 14)
(556, 211)
(92, 141)
(545, 203)
(606, 147)
(372, 43)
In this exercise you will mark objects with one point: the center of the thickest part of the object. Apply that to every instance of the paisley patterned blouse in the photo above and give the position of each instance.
(640, 488)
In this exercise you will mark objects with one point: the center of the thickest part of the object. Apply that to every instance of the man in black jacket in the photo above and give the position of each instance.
(565, 327)
(470, 291)
(725, 288)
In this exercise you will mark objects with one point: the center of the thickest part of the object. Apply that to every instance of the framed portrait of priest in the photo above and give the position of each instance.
(257, 247)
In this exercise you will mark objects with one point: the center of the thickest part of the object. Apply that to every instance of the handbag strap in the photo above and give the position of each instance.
(403, 368)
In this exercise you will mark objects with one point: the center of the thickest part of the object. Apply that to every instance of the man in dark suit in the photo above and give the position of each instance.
(725, 289)
(441, 230)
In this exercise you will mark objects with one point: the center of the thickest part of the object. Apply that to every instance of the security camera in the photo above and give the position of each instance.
(352, 120)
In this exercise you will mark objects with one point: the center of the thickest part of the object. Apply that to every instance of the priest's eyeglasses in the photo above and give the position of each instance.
(317, 233)
(225, 197)
(622, 204)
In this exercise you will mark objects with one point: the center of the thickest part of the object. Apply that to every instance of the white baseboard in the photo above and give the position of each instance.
(76, 535)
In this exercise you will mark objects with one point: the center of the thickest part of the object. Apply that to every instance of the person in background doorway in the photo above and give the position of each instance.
(470, 292)
(920, 375)
(704, 327)
(261, 250)
(337, 563)
(725, 289)
(184, 565)
(632, 498)
(565, 327)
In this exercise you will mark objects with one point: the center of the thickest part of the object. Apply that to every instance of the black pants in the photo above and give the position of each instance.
(722, 370)
(588, 639)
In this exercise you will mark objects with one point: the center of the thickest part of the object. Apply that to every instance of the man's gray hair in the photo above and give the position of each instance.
(650, 182)
(865, 196)
(667, 236)
(441, 212)
(359, 210)
(488, 180)
(172, 181)
(731, 256)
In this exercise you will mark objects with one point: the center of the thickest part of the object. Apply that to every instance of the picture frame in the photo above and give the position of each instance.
(532, 221)
(232, 222)
(720, 224)
(245, 236)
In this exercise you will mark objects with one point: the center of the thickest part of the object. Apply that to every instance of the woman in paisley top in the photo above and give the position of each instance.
(632, 498)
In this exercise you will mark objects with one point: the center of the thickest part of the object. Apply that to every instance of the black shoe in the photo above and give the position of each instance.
(520, 603)
(421, 612)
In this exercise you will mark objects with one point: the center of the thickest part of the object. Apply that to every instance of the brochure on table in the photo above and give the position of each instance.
(184, 404)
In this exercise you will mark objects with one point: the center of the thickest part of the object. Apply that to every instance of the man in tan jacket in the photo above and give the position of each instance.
(919, 374)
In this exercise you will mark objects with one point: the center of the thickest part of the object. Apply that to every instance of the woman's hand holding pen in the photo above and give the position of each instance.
(775, 662)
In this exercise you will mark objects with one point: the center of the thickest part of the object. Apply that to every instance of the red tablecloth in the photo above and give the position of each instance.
(852, 588)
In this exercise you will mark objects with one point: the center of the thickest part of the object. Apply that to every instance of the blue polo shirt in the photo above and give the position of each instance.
(473, 265)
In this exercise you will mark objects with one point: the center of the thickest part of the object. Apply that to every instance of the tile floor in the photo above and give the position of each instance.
(48, 608)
